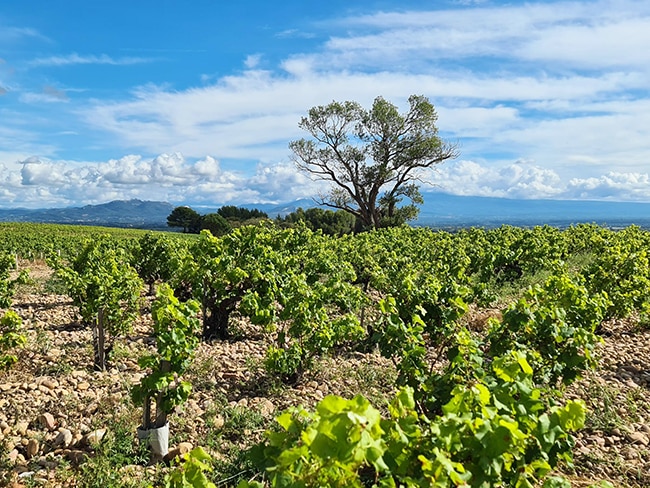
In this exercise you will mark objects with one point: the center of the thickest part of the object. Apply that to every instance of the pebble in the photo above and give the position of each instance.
(21, 428)
(49, 384)
(63, 438)
(95, 437)
(182, 448)
(12, 456)
(639, 438)
(32, 448)
(47, 421)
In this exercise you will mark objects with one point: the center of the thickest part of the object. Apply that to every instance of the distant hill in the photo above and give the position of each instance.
(119, 213)
(439, 210)
(448, 211)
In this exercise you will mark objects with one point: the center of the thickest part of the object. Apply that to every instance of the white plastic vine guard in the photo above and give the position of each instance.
(158, 440)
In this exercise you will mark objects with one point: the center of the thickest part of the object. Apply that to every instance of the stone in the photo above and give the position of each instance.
(13, 456)
(75, 456)
(83, 385)
(266, 407)
(49, 384)
(21, 428)
(64, 438)
(95, 437)
(218, 422)
(32, 448)
(182, 448)
(639, 438)
(47, 421)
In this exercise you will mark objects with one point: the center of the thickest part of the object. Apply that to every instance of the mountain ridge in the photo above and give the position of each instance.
(439, 211)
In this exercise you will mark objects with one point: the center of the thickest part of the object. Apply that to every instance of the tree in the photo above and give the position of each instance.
(372, 158)
(333, 223)
(231, 212)
(185, 217)
(216, 224)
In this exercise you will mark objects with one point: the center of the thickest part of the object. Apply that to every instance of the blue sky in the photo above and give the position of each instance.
(196, 102)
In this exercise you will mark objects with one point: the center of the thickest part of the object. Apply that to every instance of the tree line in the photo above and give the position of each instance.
(222, 222)
(218, 223)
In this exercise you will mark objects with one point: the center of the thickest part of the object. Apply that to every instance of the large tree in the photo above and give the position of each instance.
(185, 217)
(373, 158)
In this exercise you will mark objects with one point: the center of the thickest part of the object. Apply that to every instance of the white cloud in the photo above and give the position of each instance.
(74, 58)
(34, 182)
(252, 60)
(601, 33)
(562, 85)
(612, 186)
(527, 180)
(49, 94)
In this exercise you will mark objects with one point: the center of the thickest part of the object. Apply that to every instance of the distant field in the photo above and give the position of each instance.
(35, 241)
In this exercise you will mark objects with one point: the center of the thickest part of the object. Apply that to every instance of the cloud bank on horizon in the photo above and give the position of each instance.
(546, 99)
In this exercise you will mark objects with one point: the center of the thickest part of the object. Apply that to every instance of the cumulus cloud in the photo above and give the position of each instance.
(612, 186)
(166, 177)
(38, 182)
(527, 180)
(520, 83)
(518, 180)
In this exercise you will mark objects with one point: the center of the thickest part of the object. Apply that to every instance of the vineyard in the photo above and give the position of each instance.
(284, 357)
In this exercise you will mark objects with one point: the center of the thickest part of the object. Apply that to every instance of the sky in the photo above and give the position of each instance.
(195, 102)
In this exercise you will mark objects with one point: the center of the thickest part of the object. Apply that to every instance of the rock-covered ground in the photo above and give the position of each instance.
(63, 424)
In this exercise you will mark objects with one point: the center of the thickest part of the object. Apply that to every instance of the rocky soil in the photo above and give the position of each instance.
(56, 413)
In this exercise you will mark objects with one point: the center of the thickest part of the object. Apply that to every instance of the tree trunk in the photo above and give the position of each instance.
(146, 413)
(99, 340)
(216, 318)
(161, 415)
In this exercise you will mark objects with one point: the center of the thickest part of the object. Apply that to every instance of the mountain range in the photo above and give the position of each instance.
(439, 211)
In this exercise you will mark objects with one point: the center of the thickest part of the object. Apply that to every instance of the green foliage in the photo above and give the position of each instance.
(333, 223)
(11, 336)
(488, 419)
(158, 258)
(324, 448)
(8, 285)
(33, 241)
(104, 468)
(186, 218)
(558, 321)
(495, 430)
(372, 157)
(241, 214)
(216, 224)
(288, 281)
(175, 328)
(191, 471)
(106, 289)
(622, 272)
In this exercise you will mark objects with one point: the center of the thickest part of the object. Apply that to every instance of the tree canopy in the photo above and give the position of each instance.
(231, 212)
(219, 223)
(185, 217)
(216, 224)
(334, 223)
(373, 158)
